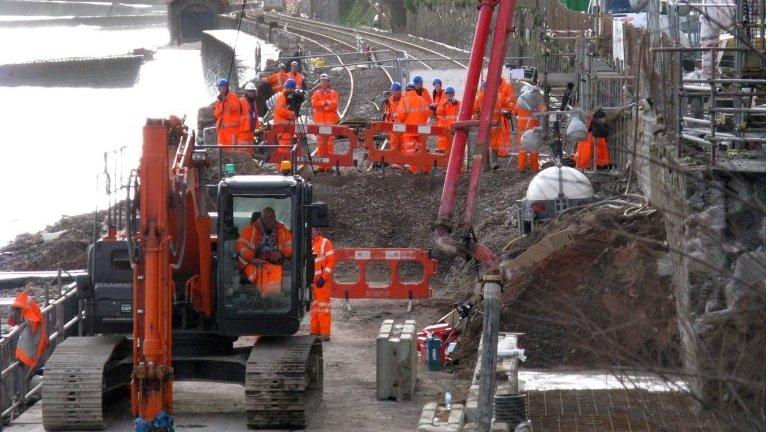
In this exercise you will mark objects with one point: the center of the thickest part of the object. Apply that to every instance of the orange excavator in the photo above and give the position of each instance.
(168, 301)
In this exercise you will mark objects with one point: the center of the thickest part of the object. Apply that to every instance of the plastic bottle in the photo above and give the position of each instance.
(448, 399)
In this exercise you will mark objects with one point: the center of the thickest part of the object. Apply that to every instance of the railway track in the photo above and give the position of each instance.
(376, 40)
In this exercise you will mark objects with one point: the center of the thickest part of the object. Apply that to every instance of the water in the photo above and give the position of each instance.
(53, 139)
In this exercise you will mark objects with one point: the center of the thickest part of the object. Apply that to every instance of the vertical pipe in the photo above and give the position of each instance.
(493, 80)
(450, 186)
(490, 342)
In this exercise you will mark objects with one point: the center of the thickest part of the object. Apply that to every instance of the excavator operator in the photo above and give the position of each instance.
(262, 247)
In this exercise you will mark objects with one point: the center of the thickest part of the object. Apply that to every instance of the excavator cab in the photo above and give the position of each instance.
(262, 295)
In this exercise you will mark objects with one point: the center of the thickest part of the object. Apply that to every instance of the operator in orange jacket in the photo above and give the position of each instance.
(325, 103)
(320, 310)
(390, 112)
(284, 114)
(33, 339)
(447, 114)
(508, 101)
(525, 121)
(297, 76)
(277, 80)
(250, 121)
(228, 114)
(261, 248)
(413, 110)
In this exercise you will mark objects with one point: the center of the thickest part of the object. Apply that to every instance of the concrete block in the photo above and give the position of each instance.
(455, 422)
(396, 360)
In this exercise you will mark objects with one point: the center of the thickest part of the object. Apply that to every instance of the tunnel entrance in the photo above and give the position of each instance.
(194, 20)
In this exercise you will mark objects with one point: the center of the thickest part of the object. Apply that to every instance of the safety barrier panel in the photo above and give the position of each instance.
(423, 156)
(392, 258)
(333, 158)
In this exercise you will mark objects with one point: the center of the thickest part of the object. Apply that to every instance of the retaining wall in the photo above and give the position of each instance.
(102, 21)
(49, 8)
(109, 71)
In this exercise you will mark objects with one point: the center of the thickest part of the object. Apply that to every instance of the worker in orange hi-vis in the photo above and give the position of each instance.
(390, 112)
(284, 114)
(418, 86)
(33, 339)
(498, 130)
(508, 101)
(438, 94)
(262, 247)
(597, 142)
(325, 104)
(525, 109)
(227, 113)
(277, 80)
(250, 121)
(415, 111)
(320, 311)
(297, 76)
(447, 114)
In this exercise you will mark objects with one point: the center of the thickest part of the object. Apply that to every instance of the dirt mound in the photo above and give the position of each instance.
(39, 252)
(597, 302)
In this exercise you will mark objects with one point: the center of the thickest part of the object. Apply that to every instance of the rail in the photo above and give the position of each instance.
(374, 38)
(60, 317)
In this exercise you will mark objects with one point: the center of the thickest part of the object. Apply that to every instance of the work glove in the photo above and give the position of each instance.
(433, 107)
(507, 114)
(319, 282)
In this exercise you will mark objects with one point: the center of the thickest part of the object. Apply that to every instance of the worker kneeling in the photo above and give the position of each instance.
(262, 247)
(595, 145)
(320, 311)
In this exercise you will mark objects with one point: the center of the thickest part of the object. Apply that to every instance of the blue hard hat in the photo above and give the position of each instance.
(418, 79)
(437, 81)
(409, 86)
(290, 84)
(222, 82)
(450, 90)
(395, 86)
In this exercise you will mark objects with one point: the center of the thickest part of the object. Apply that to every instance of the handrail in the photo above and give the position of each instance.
(14, 381)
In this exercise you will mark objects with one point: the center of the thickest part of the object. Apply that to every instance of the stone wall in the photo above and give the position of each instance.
(715, 224)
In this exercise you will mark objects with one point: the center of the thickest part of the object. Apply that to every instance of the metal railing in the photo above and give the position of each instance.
(60, 317)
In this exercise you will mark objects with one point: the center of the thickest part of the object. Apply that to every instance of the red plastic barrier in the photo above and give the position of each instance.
(394, 155)
(333, 159)
(392, 257)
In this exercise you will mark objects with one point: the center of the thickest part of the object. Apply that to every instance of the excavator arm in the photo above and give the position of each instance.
(173, 238)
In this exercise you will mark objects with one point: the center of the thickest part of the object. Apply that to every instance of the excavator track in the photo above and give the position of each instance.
(283, 382)
(76, 381)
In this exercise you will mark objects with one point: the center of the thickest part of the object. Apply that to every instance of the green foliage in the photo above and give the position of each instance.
(358, 12)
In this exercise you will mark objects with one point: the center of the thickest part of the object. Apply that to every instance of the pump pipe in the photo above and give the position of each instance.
(443, 239)
(450, 186)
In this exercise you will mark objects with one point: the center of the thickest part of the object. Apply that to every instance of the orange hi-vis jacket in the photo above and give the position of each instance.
(497, 140)
(447, 114)
(525, 120)
(424, 93)
(390, 108)
(320, 310)
(228, 116)
(33, 339)
(298, 77)
(249, 122)
(324, 105)
(277, 80)
(282, 111)
(254, 243)
(438, 97)
(413, 109)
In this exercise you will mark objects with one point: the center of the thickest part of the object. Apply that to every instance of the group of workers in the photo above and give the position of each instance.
(237, 119)
(262, 248)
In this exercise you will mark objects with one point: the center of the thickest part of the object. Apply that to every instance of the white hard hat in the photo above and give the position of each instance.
(250, 86)
(324, 76)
